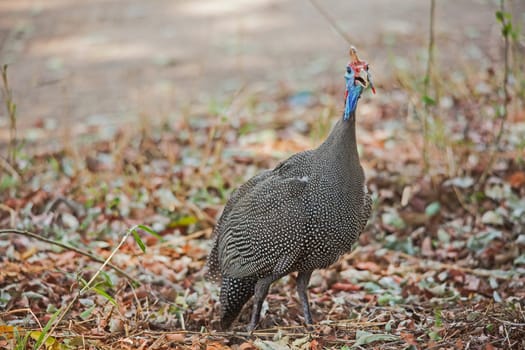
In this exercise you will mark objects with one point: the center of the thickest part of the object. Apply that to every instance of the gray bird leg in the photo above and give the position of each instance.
(303, 278)
(261, 290)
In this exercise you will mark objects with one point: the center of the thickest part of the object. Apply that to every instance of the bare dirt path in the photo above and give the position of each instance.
(113, 60)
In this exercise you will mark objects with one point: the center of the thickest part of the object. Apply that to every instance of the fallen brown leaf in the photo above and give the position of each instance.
(247, 346)
(346, 287)
(368, 265)
(175, 337)
(517, 179)
(408, 338)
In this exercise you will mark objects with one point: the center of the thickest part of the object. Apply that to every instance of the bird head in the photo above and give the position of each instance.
(357, 78)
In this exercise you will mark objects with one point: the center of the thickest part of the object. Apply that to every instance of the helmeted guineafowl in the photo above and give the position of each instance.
(301, 216)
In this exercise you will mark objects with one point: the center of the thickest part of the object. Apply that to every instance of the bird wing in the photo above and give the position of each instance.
(237, 195)
(262, 232)
(214, 271)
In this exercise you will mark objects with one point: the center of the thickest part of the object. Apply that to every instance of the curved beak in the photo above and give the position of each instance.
(365, 80)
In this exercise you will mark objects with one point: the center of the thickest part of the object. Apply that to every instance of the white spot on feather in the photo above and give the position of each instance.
(303, 179)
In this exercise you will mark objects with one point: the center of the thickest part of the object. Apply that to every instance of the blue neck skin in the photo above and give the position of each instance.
(354, 92)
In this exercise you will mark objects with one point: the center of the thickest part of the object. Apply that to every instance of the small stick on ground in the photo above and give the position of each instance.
(77, 209)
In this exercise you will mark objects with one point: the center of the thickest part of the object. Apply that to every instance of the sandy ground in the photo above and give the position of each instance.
(98, 61)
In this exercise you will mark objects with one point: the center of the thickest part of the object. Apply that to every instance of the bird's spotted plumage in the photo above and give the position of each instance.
(301, 216)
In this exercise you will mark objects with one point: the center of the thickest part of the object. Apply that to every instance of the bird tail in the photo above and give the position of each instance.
(235, 292)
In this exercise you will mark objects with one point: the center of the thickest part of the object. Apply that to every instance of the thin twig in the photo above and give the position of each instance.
(507, 337)
(461, 202)
(332, 21)
(509, 322)
(426, 85)
(506, 97)
(430, 58)
(77, 209)
(68, 247)
(11, 112)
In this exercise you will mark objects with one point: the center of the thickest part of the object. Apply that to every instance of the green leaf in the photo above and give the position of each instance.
(428, 101)
(364, 337)
(103, 293)
(432, 209)
(184, 221)
(496, 296)
(392, 218)
(12, 108)
(461, 182)
(443, 236)
(150, 231)
(439, 319)
(7, 181)
(499, 16)
(505, 30)
(114, 203)
(21, 339)
(107, 280)
(389, 299)
(138, 240)
(520, 260)
(372, 287)
(51, 308)
(39, 336)
(86, 313)
(502, 16)
(434, 335)
(492, 217)
(482, 239)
